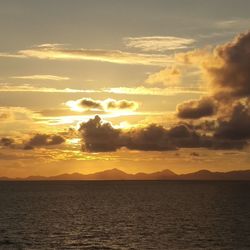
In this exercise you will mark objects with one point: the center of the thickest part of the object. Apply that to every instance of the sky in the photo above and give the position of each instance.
(143, 86)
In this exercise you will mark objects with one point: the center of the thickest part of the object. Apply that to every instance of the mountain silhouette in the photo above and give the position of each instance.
(116, 174)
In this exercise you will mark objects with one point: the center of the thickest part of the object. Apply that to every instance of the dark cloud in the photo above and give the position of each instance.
(158, 138)
(99, 136)
(194, 154)
(228, 144)
(41, 140)
(6, 141)
(55, 140)
(151, 138)
(228, 73)
(195, 109)
(88, 104)
(201, 126)
(226, 69)
(237, 127)
(230, 76)
(121, 104)
(180, 131)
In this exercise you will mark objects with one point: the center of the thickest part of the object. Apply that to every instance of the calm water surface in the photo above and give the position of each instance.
(125, 215)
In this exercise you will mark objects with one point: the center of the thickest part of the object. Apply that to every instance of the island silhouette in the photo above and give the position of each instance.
(116, 174)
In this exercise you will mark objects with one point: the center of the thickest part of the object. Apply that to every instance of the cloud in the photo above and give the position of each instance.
(7, 55)
(8, 87)
(99, 136)
(4, 116)
(194, 154)
(231, 77)
(151, 138)
(226, 72)
(6, 141)
(233, 24)
(51, 45)
(237, 127)
(88, 104)
(157, 138)
(56, 52)
(195, 109)
(167, 76)
(42, 77)
(112, 104)
(142, 90)
(41, 140)
(158, 43)
(203, 126)
(226, 68)
(55, 112)
(107, 105)
(15, 114)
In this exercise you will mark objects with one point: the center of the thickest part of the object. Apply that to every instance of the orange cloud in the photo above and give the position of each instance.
(226, 68)
(55, 52)
(168, 76)
(42, 77)
(158, 43)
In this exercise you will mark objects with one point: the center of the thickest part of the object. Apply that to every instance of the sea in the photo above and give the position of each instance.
(125, 215)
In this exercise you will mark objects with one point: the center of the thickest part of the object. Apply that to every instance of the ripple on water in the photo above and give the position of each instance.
(125, 215)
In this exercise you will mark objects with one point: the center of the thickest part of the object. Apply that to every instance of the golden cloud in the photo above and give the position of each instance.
(108, 105)
(158, 43)
(42, 77)
(168, 76)
(53, 52)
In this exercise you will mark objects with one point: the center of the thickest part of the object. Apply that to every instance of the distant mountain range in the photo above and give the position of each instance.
(116, 174)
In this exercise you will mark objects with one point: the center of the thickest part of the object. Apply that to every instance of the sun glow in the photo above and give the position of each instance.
(124, 125)
(74, 106)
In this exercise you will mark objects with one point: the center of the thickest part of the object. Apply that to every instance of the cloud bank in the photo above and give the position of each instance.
(99, 136)
(226, 71)
(41, 140)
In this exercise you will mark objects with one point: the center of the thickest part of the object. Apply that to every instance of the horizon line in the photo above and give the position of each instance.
(170, 175)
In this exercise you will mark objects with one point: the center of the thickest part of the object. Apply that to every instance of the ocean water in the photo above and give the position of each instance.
(125, 215)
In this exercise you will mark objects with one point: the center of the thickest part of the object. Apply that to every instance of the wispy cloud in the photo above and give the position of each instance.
(42, 77)
(30, 88)
(17, 120)
(233, 24)
(141, 90)
(9, 55)
(56, 52)
(158, 43)
(168, 76)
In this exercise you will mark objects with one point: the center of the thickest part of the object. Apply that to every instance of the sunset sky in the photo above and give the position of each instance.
(139, 85)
